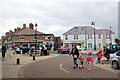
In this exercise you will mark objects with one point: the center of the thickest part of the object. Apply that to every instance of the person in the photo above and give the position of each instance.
(81, 58)
(89, 60)
(32, 50)
(3, 51)
(17, 50)
(99, 56)
(42, 50)
(75, 54)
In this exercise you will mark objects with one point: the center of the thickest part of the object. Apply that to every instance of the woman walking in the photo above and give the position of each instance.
(75, 54)
(99, 56)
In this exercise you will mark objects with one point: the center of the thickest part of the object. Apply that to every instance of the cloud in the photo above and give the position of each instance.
(58, 16)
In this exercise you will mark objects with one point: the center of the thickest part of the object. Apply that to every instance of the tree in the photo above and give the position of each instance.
(117, 41)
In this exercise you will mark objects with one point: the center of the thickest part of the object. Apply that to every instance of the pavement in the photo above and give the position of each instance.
(9, 67)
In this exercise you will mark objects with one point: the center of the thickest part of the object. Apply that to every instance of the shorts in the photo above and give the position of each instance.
(90, 62)
(99, 60)
(82, 63)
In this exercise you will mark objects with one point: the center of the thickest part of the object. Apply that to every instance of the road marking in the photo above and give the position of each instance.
(63, 69)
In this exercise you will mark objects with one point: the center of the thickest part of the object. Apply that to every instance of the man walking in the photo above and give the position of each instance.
(3, 51)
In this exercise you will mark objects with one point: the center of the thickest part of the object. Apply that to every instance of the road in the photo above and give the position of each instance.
(62, 67)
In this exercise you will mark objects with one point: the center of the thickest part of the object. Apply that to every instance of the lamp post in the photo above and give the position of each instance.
(110, 36)
(85, 39)
(93, 24)
(36, 38)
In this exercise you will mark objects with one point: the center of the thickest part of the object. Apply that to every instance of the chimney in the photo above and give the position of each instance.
(18, 29)
(31, 26)
(15, 30)
(7, 33)
(10, 31)
(24, 26)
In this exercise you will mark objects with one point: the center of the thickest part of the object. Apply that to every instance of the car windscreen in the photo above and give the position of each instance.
(115, 47)
(108, 47)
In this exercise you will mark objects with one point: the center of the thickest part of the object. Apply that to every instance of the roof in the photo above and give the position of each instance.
(28, 31)
(89, 30)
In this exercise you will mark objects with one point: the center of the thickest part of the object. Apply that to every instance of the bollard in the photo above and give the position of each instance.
(33, 57)
(18, 60)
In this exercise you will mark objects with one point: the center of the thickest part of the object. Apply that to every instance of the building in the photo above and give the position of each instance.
(57, 41)
(84, 36)
(26, 37)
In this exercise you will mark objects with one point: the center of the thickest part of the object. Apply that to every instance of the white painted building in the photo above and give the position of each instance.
(77, 35)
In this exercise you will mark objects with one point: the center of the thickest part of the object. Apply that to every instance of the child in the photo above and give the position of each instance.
(99, 54)
(81, 58)
(89, 60)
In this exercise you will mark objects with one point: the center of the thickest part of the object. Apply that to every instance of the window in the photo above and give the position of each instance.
(90, 45)
(76, 29)
(99, 45)
(21, 38)
(34, 38)
(118, 54)
(82, 28)
(47, 37)
(66, 37)
(75, 36)
(107, 36)
(89, 36)
(99, 36)
(106, 44)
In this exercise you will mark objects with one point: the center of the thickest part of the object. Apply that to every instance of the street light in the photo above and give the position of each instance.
(110, 36)
(93, 24)
(36, 38)
(85, 39)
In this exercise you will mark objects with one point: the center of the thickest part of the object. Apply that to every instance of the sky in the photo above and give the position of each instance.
(58, 16)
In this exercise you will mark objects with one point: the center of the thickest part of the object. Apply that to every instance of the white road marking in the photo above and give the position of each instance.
(63, 69)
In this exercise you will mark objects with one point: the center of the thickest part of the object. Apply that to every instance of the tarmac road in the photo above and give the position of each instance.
(62, 67)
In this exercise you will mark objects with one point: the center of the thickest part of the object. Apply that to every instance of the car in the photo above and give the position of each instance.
(64, 49)
(115, 60)
(110, 49)
(80, 48)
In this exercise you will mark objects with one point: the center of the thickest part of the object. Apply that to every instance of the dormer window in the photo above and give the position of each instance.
(21, 38)
(76, 29)
(34, 38)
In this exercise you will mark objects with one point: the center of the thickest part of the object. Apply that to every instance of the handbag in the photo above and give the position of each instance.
(75, 56)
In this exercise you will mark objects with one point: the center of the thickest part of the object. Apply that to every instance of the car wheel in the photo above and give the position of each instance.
(115, 64)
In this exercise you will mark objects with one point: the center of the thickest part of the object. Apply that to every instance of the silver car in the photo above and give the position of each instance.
(115, 60)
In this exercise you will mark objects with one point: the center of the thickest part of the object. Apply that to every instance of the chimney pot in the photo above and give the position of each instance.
(31, 26)
(24, 26)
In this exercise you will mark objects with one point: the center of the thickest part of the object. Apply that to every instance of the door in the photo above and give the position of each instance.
(118, 56)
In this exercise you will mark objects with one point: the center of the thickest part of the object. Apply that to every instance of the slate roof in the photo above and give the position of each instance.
(89, 30)
(28, 31)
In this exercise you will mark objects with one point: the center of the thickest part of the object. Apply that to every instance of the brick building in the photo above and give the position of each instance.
(26, 37)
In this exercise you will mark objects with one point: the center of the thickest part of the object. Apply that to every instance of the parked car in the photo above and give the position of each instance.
(80, 48)
(115, 60)
(110, 49)
(64, 49)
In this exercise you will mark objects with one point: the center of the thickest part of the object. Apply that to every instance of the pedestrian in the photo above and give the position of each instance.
(89, 60)
(42, 51)
(81, 58)
(4, 49)
(99, 56)
(75, 54)
(17, 50)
